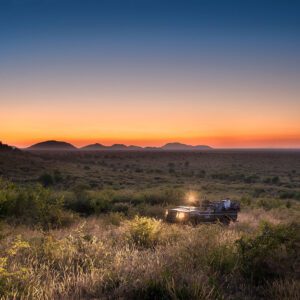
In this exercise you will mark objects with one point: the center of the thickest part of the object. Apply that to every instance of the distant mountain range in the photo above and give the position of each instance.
(96, 147)
(59, 146)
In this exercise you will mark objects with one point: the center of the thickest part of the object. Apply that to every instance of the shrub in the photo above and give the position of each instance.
(57, 176)
(152, 211)
(275, 179)
(251, 179)
(268, 204)
(34, 206)
(12, 277)
(258, 192)
(114, 218)
(272, 180)
(201, 174)
(46, 179)
(163, 197)
(271, 253)
(289, 195)
(87, 203)
(101, 203)
(121, 207)
(144, 232)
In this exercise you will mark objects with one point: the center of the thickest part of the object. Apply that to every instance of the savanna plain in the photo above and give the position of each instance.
(89, 225)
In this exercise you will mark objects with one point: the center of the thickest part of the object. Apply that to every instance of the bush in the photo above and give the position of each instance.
(87, 203)
(271, 253)
(114, 218)
(146, 210)
(272, 180)
(163, 197)
(46, 179)
(144, 232)
(258, 192)
(268, 204)
(34, 206)
(289, 195)
(121, 207)
(8, 277)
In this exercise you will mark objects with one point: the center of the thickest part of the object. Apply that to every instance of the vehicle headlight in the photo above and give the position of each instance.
(166, 213)
(180, 215)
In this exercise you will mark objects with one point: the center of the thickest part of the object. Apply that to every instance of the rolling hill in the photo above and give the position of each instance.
(60, 145)
(180, 147)
(52, 145)
(94, 147)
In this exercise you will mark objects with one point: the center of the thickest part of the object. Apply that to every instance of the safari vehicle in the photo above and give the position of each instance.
(223, 211)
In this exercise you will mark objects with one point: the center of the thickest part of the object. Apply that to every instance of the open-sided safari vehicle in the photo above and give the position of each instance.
(223, 211)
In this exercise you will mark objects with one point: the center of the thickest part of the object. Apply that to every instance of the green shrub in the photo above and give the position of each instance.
(271, 253)
(114, 218)
(289, 195)
(101, 203)
(222, 259)
(87, 203)
(269, 203)
(144, 232)
(9, 277)
(34, 206)
(146, 210)
(163, 197)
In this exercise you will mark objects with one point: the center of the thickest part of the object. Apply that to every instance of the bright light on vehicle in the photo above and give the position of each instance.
(166, 212)
(180, 215)
(191, 197)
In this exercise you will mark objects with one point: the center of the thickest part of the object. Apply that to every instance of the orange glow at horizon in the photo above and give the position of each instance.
(227, 115)
(263, 141)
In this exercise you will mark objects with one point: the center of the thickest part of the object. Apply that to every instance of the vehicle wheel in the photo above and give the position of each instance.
(194, 221)
(225, 221)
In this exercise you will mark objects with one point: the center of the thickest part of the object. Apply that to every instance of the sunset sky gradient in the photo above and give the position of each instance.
(222, 73)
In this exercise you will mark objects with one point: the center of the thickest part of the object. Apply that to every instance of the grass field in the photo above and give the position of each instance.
(88, 225)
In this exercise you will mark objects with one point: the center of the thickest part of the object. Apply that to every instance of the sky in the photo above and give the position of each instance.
(147, 72)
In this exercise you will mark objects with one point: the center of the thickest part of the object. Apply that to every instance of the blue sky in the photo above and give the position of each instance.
(203, 54)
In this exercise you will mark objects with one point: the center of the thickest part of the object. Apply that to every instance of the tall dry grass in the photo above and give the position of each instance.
(141, 258)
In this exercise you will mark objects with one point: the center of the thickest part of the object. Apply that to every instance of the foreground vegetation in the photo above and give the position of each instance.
(89, 226)
(112, 244)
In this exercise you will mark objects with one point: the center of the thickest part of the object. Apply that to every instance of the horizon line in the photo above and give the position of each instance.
(162, 145)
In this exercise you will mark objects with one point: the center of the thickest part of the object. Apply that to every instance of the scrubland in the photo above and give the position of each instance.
(91, 227)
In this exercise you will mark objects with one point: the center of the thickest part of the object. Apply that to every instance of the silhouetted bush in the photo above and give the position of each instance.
(121, 207)
(258, 192)
(46, 179)
(57, 176)
(272, 180)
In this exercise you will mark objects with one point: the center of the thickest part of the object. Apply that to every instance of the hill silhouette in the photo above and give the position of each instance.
(7, 148)
(94, 147)
(52, 145)
(180, 146)
(118, 147)
(61, 145)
